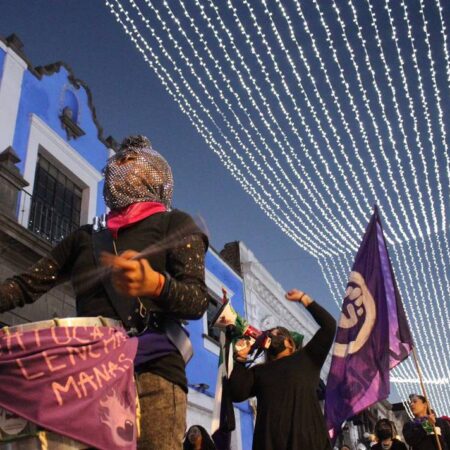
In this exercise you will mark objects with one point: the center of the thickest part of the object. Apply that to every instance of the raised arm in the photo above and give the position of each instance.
(241, 382)
(320, 344)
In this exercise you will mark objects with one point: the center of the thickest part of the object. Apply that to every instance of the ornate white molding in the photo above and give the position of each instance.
(44, 139)
(265, 303)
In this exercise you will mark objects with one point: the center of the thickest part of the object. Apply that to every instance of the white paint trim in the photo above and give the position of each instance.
(211, 346)
(202, 401)
(216, 285)
(43, 139)
(203, 405)
(11, 78)
(236, 438)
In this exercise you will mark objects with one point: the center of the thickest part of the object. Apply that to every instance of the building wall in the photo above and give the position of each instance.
(38, 100)
(266, 306)
(2, 60)
(30, 107)
(202, 370)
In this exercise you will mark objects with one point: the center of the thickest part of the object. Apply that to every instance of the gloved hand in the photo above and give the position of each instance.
(133, 276)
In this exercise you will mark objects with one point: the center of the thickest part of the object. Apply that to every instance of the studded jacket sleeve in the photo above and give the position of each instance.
(28, 286)
(184, 294)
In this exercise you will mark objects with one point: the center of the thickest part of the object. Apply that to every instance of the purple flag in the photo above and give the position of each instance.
(75, 381)
(373, 335)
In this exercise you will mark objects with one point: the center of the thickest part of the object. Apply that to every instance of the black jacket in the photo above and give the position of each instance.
(174, 246)
(417, 438)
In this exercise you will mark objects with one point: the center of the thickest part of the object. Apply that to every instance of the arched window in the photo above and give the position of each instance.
(70, 115)
(71, 104)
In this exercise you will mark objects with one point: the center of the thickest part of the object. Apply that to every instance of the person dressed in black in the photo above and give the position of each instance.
(386, 437)
(154, 277)
(197, 438)
(420, 433)
(288, 414)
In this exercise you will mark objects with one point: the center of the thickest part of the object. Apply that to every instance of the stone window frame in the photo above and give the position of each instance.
(56, 192)
(44, 140)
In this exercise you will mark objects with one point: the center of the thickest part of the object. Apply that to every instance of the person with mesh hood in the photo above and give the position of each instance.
(155, 279)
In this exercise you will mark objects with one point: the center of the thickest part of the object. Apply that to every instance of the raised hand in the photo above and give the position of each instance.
(295, 295)
(242, 349)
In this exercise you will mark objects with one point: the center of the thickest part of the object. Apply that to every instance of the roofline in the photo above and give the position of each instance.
(14, 43)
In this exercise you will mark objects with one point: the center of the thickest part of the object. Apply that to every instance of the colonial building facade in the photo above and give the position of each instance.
(265, 304)
(51, 154)
(52, 151)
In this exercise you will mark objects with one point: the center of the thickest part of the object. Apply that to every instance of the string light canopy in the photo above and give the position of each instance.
(320, 109)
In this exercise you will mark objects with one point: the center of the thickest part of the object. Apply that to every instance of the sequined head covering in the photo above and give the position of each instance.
(137, 173)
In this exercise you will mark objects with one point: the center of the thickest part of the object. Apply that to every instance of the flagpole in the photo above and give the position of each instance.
(424, 392)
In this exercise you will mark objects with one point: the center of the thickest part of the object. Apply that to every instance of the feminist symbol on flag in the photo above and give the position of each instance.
(359, 314)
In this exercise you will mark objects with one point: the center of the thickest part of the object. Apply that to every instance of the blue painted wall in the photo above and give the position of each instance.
(203, 367)
(2, 60)
(46, 98)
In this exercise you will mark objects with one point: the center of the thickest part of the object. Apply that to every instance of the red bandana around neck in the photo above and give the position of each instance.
(133, 213)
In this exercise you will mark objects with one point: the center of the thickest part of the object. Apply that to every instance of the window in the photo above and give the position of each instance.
(214, 305)
(56, 203)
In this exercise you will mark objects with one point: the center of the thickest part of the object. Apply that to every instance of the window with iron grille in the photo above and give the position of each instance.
(214, 305)
(56, 204)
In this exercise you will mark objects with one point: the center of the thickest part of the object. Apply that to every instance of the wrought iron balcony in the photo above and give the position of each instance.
(44, 220)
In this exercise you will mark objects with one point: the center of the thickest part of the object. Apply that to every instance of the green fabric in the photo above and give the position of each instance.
(298, 339)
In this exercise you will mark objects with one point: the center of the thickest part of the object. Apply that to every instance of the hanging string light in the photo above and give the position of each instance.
(317, 128)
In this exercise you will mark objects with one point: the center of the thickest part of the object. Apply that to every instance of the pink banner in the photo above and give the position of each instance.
(75, 381)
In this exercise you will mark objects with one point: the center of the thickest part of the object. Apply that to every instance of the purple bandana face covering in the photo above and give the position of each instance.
(137, 173)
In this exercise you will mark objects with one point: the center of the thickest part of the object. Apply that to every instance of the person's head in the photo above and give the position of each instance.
(385, 433)
(281, 343)
(344, 447)
(137, 173)
(418, 405)
(194, 435)
(198, 437)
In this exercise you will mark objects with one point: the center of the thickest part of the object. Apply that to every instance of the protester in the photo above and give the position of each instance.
(157, 272)
(197, 438)
(386, 438)
(420, 432)
(288, 410)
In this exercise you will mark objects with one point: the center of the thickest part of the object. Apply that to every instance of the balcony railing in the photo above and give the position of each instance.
(43, 219)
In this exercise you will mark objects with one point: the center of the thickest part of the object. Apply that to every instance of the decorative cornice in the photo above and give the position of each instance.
(15, 44)
(53, 68)
(272, 302)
